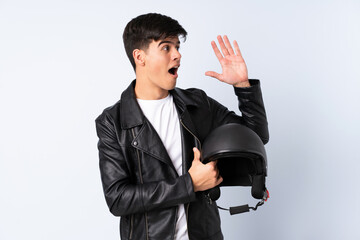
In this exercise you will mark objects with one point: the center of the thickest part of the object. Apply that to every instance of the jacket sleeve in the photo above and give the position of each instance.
(252, 109)
(124, 197)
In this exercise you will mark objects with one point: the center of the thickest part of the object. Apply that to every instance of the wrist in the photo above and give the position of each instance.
(193, 181)
(243, 84)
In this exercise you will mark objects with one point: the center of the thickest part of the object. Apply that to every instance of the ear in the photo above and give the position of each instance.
(139, 57)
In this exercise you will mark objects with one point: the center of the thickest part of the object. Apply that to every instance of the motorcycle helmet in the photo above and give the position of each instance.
(241, 160)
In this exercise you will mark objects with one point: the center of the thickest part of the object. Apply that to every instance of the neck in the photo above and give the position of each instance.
(147, 91)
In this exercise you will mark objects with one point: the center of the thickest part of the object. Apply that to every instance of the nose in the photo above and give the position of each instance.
(176, 55)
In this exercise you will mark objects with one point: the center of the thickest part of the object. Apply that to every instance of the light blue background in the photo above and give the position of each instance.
(63, 62)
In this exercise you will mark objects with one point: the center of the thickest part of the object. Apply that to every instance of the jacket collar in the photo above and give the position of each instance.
(131, 114)
(145, 139)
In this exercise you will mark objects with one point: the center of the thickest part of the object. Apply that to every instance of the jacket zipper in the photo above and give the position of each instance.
(187, 213)
(142, 182)
(131, 226)
(176, 218)
(188, 205)
(191, 133)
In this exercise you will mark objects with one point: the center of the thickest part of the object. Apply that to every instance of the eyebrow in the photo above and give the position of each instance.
(170, 42)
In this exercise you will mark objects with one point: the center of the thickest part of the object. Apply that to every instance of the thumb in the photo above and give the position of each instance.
(196, 154)
(213, 74)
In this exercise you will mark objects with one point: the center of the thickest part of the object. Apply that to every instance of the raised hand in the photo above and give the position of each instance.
(233, 66)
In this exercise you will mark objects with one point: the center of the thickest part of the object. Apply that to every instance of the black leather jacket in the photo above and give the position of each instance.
(139, 180)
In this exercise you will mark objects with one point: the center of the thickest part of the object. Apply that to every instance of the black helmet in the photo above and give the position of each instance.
(241, 157)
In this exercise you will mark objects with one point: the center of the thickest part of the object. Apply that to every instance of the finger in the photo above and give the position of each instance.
(196, 154)
(214, 75)
(217, 173)
(213, 164)
(216, 51)
(219, 180)
(237, 49)
(228, 45)
(222, 46)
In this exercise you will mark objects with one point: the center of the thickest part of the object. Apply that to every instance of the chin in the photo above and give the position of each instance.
(171, 85)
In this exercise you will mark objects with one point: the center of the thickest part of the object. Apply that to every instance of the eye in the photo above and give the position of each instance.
(166, 48)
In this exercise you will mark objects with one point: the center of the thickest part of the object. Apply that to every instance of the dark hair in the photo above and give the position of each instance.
(140, 32)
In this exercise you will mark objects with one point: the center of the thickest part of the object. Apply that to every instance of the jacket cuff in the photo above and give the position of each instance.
(189, 187)
(248, 91)
(254, 84)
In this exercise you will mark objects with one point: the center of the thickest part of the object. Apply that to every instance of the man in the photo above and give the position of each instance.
(149, 141)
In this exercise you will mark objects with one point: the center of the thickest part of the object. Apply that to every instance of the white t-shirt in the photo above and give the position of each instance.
(163, 116)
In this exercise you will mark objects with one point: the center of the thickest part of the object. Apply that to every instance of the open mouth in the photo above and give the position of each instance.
(173, 71)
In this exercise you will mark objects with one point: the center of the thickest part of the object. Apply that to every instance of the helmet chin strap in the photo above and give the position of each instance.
(213, 194)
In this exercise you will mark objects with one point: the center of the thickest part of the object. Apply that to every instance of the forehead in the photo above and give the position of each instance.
(169, 40)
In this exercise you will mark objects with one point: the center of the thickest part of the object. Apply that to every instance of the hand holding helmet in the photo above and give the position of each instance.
(204, 176)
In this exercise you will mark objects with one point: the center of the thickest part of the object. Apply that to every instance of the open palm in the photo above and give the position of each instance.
(233, 66)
